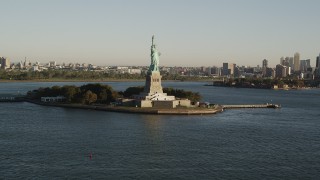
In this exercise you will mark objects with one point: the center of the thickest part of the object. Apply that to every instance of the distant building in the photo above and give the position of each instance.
(286, 61)
(270, 72)
(304, 65)
(225, 71)
(318, 62)
(215, 71)
(35, 68)
(248, 70)
(134, 71)
(236, 72)
(52, 64)
(228, 69)
(291, 62)
(282, 71)
(264, 67)
(265, 63)
(296, 60)
(308, 63)
(288, 71)
(282, 60)
(317, 70)
(5, 63)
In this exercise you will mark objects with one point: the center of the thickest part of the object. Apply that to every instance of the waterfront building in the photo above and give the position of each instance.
(296, 60)
(53, 99)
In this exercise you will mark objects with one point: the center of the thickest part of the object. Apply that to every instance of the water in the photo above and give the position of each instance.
(40, 142)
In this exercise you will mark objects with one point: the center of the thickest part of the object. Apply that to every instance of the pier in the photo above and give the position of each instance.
(251, 106)
(11, 98)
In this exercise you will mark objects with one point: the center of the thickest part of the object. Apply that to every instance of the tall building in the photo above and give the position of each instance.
(281, 60)
(308, 63)
(228, 69)
(286, 61)
(231, 68)
(318, 61)
(282, 71)
(5, 63)
(270, 72)
(225, 71)
(296, 60)
(304, 65)
(215, 71)
(291, 62)
(264, 67)
(236, 72)
(265, 63)
(317, 70)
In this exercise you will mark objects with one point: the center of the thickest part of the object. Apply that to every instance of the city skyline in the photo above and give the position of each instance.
(187, 33)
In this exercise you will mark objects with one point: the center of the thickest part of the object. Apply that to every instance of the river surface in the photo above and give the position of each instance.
(38, 142)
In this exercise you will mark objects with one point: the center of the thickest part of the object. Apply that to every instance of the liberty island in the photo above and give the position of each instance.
(152, 99)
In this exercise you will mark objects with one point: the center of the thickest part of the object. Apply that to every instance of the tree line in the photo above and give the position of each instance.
(100, 93)
(52, 74)
(86, 94)
(66, 75)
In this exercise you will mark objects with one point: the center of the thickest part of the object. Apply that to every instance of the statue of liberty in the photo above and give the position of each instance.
(154, 66)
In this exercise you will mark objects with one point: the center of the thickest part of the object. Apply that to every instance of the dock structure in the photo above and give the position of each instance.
(11, 98)
(251, 106)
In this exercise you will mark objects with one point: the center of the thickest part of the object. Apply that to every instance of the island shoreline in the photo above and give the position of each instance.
(135, 110)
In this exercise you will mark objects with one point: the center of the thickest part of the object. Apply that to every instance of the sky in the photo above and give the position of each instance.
(187, 32)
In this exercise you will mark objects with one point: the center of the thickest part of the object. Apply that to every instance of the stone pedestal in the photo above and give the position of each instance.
(153, 89)
(153, 83)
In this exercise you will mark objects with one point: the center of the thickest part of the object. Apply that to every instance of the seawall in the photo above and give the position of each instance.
(123, 109)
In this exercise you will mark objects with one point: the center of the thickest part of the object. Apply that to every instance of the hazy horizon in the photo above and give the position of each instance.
(187, 33)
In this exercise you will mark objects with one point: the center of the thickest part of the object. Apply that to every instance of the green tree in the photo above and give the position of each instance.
(133, 91)
(105, 92)
(70, 92)
(90, 97)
